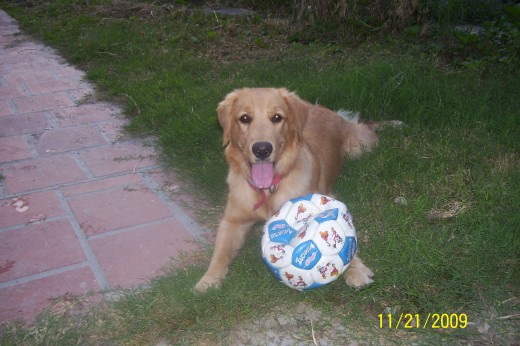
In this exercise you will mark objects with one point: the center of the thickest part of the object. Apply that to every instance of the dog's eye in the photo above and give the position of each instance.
(277, 118)
(245, 119)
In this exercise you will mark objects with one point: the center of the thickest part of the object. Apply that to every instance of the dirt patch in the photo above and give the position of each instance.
(302, 325)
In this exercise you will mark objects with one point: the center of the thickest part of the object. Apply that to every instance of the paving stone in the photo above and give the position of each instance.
(29, 104)
(26, 123)
(175, 190)
(32, 208)
(41, 173)
(47, 87)
(29, 76)
(72, 138)
(24, 301)
(38, 248)
(114, 129)
(151, 246)
(70, 73)
(24, 47)
(127, 182)
(20, 53)
(117, 208)
(121, 157)
(45, 66)
(5, 108)
(9, 92)
(84, 114)
(14, 148)
(82, 93)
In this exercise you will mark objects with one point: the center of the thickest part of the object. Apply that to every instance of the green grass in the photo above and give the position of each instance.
(452, 248)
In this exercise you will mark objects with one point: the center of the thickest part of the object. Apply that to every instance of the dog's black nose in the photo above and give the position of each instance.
(262, 150)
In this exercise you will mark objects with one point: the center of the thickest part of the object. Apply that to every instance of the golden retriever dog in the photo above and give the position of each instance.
(279, 147)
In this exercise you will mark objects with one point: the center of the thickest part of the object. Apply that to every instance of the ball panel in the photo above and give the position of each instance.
(326, 215)
(278, 255)
(330, 238)
(303, 198)
(296, 278)
(349, 250)
(348, 222)
(306, 255)
(305, 233)
(301, 212)
(321, 201)
(282, 213)
(280, 231)
(328, 269)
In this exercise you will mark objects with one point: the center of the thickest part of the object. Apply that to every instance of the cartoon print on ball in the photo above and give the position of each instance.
(324, 200)
(332, 238)
(328, 270)
(277, 253)
(297, 282)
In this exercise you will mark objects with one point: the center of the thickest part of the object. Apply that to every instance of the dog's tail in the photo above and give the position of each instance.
(361, 136)
(354, 117)
(351, 117)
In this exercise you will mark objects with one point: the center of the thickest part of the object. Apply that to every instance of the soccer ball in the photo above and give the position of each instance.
(309, 242)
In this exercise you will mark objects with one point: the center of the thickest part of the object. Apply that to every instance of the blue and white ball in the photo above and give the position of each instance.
(309, 242)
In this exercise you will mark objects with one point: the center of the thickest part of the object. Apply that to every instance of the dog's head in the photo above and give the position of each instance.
(261, 125)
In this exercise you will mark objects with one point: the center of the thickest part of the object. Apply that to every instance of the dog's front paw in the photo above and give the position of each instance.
(207, 282)
(359, 276)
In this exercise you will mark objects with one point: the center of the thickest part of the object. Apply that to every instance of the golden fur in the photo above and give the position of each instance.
(308, 144)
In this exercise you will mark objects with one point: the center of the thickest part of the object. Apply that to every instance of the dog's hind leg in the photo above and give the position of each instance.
(231, 236)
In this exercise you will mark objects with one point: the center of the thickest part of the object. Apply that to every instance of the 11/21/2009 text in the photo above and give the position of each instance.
(418, 321)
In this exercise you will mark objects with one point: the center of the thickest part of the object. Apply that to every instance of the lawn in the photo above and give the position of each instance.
(436, 204)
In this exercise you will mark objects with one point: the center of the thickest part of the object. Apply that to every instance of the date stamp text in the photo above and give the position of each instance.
(423, 321)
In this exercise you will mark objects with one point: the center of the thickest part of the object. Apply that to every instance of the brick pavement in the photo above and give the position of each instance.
(83, 208)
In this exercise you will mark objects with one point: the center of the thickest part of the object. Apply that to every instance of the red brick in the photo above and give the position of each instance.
(123, 181)
(26, 51)
(14, 148)
(29, 76)
(5, 109)
(41, 205)
(84, 114)
(35, 174)
(121, 157)
(40, 65)
(72, 138)
(69, 72)
(51, 86)
(117, 208)
(29, 104)
(176, 191)
(9, 92)
(151, 248)
(38, 248)
(20, 124)
(24, 301)
(7, 38)
(114, 129)
(83, 92)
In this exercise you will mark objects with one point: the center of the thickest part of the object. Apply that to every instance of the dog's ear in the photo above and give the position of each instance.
(299, 111)
(224, 116)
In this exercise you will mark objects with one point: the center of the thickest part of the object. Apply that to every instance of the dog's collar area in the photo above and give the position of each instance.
(263, 197)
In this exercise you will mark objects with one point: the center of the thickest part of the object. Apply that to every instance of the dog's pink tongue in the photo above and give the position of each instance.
(262, 174)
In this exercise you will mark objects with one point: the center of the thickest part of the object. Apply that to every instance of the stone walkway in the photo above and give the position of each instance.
(83, 208)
